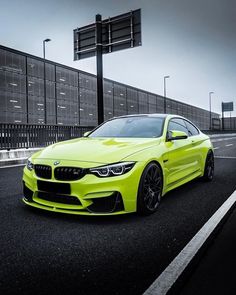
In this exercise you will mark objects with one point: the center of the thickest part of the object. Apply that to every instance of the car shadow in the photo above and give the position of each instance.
(85, 219)
(191, 186)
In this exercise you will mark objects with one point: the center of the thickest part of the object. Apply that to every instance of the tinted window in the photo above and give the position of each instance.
(192, 130)
(177, 124)
(139, 127)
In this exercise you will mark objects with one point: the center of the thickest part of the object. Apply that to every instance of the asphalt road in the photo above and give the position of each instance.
(215, 270)
(44, 252)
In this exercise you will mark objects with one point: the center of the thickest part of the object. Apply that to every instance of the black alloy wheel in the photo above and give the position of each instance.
(209, 167)
(150, 189)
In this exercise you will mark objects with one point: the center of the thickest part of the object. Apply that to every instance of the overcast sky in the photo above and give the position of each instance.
(193, 41)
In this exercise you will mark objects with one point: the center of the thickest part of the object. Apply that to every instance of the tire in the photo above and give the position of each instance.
(209, 167)
(150, 189)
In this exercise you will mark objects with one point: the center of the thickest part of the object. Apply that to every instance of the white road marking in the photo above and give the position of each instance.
(222, 139)
(222, 135)
(225, 157)
(17, 165)
(169, 276)
(216, 148)
(230, 144)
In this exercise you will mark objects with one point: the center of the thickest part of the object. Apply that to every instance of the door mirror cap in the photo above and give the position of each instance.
(176, 135)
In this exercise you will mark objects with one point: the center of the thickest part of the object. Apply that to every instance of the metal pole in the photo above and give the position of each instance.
(165, 77)
(210, 108)
(27, 90)
(44, 49)
(164, 95)
(44, 84)
(223, 127)
(210, 93)
(44, 80)
(100, 103)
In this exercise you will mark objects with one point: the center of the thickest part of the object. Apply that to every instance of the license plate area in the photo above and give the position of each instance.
(55, 188)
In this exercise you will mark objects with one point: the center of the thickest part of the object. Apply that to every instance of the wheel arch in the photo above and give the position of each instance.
(208, 151)
(152, 161)
(158, 164)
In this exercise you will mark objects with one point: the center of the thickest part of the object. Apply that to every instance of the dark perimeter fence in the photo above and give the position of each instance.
(13, 136)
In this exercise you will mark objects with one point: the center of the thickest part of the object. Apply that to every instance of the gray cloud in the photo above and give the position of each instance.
(192, 41)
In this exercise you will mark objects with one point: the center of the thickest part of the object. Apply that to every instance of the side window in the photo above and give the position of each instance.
(192, 130)
(177, 124)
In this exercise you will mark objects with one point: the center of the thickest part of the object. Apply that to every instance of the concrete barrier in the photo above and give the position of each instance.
(14, 157)
(20, 156)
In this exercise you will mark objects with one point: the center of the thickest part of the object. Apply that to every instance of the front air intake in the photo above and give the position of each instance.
(109, 204)
(58, 198)
(28, 194)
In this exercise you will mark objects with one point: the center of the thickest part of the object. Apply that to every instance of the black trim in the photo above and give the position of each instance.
(109, 204)
(43, 171)
(58, 198)
(193, 126)
(69, 173)
(28, 194)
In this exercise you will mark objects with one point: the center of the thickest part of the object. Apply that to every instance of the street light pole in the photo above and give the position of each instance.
(44, 79)
(165, 77)
(99, 60)
(210, 93)
(44, 41)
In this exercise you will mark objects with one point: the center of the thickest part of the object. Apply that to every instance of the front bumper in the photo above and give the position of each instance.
(89, 195)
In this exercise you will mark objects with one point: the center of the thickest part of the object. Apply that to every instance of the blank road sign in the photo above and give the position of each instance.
(227, 106)
(118, 33)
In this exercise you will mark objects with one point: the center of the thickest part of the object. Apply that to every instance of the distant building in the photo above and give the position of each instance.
(71, 95)
(229, 123)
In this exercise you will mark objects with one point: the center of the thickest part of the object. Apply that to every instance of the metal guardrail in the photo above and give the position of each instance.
(14, 136)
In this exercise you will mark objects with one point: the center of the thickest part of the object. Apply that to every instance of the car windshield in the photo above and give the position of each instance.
(140, 127)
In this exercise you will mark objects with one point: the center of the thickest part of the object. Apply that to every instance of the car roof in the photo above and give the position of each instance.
(159, 115)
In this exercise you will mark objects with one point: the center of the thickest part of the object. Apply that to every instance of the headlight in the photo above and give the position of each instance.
(113, 169)
(29, 164)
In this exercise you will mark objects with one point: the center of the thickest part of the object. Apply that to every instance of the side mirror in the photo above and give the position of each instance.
(176, 135)
(86, 133)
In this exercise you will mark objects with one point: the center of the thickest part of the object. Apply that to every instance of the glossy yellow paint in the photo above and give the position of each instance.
(180, 161)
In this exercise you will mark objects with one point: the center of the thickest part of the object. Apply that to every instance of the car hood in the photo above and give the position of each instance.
(96, 150)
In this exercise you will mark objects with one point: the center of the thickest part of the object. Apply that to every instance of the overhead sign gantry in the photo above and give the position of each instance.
(106, 36)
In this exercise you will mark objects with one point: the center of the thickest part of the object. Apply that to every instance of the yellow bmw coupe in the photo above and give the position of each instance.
(126, 164)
